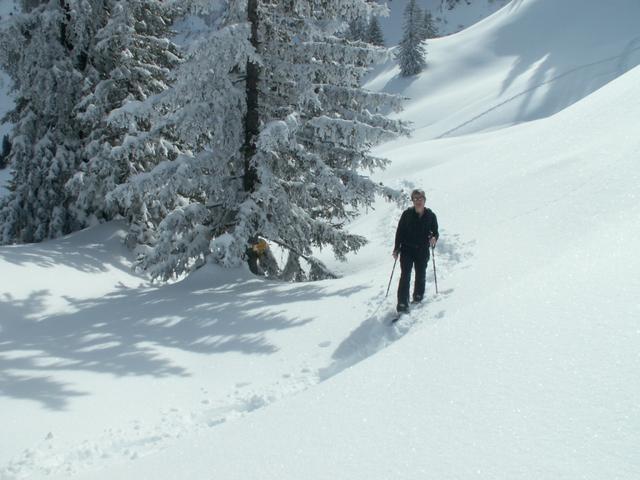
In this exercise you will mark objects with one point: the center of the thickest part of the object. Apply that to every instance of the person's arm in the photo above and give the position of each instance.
(434, 235)
(398, 241)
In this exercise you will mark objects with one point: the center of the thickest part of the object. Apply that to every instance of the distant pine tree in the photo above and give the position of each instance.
(374, 33)
(411, 53)
(429, 29)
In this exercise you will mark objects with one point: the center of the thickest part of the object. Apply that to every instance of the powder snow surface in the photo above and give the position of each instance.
(525, 365)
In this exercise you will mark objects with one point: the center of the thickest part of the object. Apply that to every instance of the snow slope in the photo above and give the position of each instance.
(527, 368)
(524, 366)
(464, 14)
(527, 61)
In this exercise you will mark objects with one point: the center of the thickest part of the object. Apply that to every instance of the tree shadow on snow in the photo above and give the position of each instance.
(561, 69)
(122, 333)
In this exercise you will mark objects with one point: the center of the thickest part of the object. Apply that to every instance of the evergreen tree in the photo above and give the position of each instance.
(429, 29)
(81, 69)
(358, 30)
(5, 151)
(279, 134)
(411, 52)
(41, 53)
(130, 61)
(374, 33)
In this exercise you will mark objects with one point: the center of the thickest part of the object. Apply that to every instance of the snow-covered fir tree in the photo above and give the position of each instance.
(130, 60)
(374, 32)
(277, 134)
(411, 52)
(81, 69)
(5, 150)
(42, 54)
(358, 30)
(429, 29)
(451, 4)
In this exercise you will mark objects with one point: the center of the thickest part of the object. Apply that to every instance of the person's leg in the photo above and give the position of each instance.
(421, 275)
(406, 265)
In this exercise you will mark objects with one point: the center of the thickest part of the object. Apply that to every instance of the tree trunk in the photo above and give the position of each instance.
(64, 26)
(252, 118)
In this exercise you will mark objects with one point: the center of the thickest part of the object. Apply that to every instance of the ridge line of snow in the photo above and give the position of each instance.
(535, 87)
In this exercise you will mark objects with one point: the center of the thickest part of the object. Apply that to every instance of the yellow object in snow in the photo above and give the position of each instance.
(260, 247)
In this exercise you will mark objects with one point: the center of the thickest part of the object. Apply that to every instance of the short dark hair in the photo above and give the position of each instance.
(418, 193)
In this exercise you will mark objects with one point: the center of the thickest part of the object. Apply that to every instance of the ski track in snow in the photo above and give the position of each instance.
(377, 332)
(136, 439)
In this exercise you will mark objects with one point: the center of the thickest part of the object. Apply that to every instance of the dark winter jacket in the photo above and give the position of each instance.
(413, 231)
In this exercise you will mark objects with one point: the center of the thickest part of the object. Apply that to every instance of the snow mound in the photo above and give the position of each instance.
(493, 74)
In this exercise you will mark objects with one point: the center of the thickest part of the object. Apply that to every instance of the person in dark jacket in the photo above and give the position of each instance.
(417, 231)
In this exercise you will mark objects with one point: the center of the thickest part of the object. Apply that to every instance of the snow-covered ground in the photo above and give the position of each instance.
(524, 365)
(502, 71)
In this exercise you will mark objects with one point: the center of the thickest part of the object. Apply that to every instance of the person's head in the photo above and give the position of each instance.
(418, 197)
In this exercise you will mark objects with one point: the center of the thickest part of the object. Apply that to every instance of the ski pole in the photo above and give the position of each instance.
(390, 278)
(433, 257)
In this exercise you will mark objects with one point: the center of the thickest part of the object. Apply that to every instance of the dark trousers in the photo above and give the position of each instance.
(410, 258)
